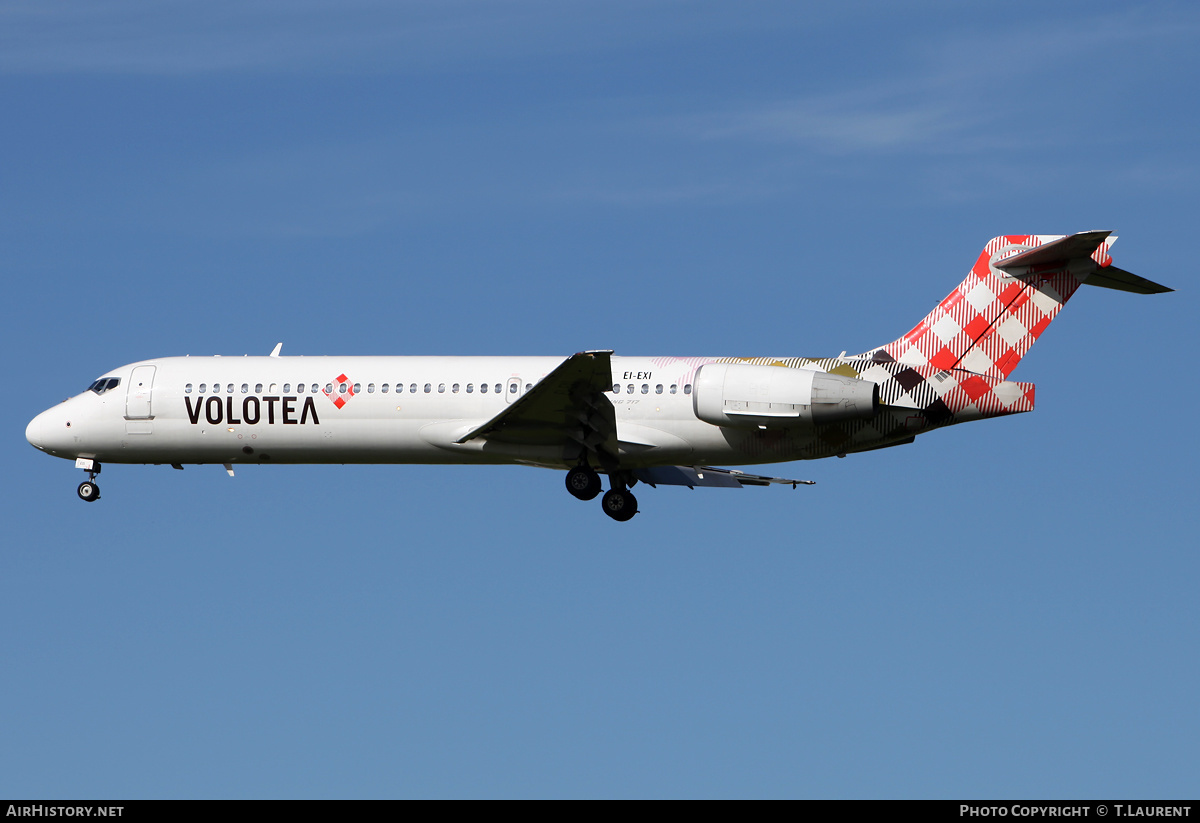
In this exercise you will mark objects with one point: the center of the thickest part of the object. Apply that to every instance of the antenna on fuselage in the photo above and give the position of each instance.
(275, 351)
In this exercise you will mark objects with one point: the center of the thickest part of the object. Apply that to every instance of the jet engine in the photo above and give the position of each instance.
(776, 397)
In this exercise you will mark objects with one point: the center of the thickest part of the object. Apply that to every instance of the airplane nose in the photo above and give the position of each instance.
(34, 433)
(49, 431)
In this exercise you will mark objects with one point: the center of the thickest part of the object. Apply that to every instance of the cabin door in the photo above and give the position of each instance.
(137, 396)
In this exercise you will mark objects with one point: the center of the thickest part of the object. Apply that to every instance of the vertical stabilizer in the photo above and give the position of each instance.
(1012, 293)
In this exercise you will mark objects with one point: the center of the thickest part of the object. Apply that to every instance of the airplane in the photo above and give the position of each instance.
(654, 420)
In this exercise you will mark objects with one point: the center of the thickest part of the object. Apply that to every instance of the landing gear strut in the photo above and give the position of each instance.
(88, 490)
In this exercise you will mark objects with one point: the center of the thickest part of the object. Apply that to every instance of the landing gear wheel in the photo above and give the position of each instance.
(89, 491)
(583, 483)
(619, 504)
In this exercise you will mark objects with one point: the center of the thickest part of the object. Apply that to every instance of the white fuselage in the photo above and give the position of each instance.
(392, 410)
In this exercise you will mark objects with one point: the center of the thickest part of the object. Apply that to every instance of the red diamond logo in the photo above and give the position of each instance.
(340, 391)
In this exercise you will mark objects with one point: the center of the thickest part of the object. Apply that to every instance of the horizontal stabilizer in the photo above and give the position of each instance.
(1058, 253)
(1015, 289)
(693, 476)
(1070, 247)
(1121, 280)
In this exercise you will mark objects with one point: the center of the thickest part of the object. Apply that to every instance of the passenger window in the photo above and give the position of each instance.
(229, 388)
(629, 388)
(202, 387)
(687, 389)
(645, 388)
(497, 388)
(329, 388)
(357, 388)
(512, 387)
(428, 388)
(370, 388)
(274, 388)
(258, 388)
(658, 389)
(470, 388)
(616, 388)
(483, 388)
(382, 389)
(412, 388)
(673, 387)
(216, 388)
(454, 388)
(441, 388)
(187, 389)
(314, 388)
(287, 387)
(341, 388)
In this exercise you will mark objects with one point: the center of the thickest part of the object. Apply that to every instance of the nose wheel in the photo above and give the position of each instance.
(88, 490)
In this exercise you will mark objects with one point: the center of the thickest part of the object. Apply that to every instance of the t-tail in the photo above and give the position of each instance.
(1012, 293)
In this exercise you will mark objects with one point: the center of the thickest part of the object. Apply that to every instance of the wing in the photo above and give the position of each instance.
(692, 476)
(567, 405)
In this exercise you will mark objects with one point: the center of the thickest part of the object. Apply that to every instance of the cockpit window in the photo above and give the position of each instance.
(104, 384)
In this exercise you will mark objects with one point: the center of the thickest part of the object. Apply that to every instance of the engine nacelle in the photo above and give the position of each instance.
(776, 397)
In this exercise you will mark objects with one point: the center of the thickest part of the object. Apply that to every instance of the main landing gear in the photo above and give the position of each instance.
(583, 482)
(88, 490)
(618, 503)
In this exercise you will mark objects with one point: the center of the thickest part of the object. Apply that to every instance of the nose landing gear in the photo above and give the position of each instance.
(88, 490)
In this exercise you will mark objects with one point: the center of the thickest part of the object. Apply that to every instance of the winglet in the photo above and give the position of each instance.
(275, 351)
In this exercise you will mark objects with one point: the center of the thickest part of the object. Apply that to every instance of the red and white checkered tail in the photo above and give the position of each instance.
(1013, 291)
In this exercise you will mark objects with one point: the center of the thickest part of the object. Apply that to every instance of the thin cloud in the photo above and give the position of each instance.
(835, 125)
(183, 37)
(188, 38)
(639, 196)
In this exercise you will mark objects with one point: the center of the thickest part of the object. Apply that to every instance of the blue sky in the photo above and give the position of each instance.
(1005, 609)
